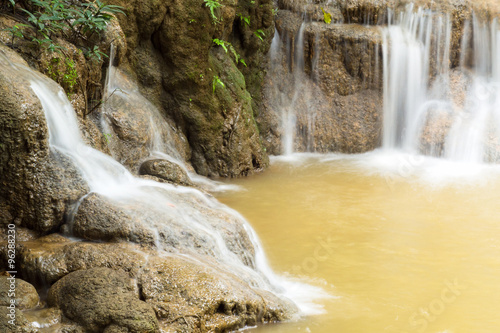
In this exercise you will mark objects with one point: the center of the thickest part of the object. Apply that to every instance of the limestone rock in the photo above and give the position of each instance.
(102, 299)
(36, 183)
(165, 170)
(26, 296)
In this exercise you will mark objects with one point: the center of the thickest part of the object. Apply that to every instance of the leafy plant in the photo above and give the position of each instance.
(259, 33)
(228, 46)
(95, 54)
(76, 21)
(327, 17)
(213, 5)
(244, 19)
(16, 31)
(215, 82)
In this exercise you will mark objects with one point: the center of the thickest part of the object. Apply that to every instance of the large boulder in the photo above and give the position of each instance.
(36, 182)
(102, 299)
(185, 291)
(176, 220)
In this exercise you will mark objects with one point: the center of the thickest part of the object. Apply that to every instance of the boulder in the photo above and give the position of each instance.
(102, 299)
(26, 296)
(165, 170)
(206, 292)
(36, 182)
(187, 294)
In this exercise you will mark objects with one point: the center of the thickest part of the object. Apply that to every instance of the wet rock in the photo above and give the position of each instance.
(102, 299)
(98, 218)
(177, 63)
(165, 170)
(336, 98)
(26, 296)
(205, 291)
(50, 319)
(14, 321)
(135, 129)
(36, 183)
(187, 294)
(48, 259)
(186, 221)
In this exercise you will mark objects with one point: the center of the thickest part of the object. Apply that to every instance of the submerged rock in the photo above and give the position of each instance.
(102, 299)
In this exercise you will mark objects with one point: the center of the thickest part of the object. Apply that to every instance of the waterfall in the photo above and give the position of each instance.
(430, 108)
(163, 206)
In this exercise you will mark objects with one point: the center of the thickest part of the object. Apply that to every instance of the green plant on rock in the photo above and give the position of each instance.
(244, 19)
(216, 81)
(260, 34)
(16, 31)
(327, 17)
(228, 46)
(94, 54)
(213, 5)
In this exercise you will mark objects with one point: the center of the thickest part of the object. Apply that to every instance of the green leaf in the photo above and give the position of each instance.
(327, 17)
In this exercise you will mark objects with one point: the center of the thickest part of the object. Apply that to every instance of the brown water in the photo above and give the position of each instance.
(400, 249)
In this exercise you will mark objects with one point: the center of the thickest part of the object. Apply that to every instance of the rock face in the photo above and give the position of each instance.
(102, 299)
(327, 78)
(171, 50)
(35, 183)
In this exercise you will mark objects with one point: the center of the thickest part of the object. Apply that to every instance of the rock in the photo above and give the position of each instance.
(19, 324)
(177, 220)
(135, 129)
(335, 98)
(36, 183)
(188, 295)
(49, 258)
(166, 170)
(26, 296)
(102, 299)
(176, 64)
(98, 218)
(218, 295)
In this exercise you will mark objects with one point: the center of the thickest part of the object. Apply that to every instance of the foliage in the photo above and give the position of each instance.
(327, 17)
(259, 33)
(244, 19)
(215, 82)
(213, 5)
(76, 21)
(228, 46)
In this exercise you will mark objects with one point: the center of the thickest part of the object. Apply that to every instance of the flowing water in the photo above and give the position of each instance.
(401, 244)
(165, 210)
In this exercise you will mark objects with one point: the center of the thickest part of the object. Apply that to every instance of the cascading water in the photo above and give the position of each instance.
(430, 108)
(202, 224)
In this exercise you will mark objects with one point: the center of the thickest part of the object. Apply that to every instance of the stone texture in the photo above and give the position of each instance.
(187, 293)
(102, 299)
(165, 170)
(176, 67)
(36, 183)
(26, 296)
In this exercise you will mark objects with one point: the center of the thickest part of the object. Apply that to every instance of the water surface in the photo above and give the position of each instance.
(402, 243)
